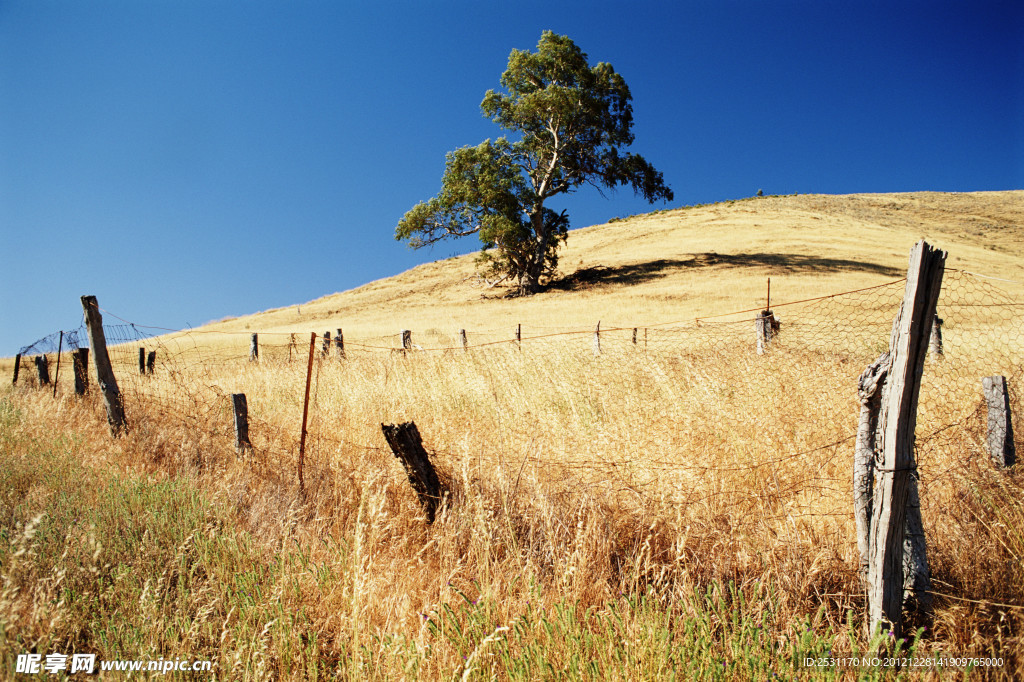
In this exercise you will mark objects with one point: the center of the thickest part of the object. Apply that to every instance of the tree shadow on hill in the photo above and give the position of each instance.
(782, 263)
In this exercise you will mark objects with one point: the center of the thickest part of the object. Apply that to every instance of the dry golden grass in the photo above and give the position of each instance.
(683, 466)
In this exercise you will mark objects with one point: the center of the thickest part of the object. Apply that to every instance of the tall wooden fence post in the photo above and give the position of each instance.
(897, 560)
(326, 348)
(142, 360)
(999, 433)
(80, 364)
(104, 373)
(597, 339)
(17, 366)
(254, 348)
(241, 410)
(42, 369)
(405, 442)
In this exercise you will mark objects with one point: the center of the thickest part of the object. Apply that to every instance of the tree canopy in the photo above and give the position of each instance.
(572, 121)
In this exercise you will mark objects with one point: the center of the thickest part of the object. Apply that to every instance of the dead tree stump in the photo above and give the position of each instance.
(404, 440)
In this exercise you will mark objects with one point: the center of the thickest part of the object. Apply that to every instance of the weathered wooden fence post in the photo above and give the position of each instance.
(104, 372)
(462, 338)
(766, 325)
(17, 366)
(897, 564)
(999, 433)
(406, 339)
(935, 343)
(80, 364)
(339, 344)
(519, 336)
(142, 360)
(405, 442)
(241, 410)
(597, 339)
(291, 346)
(42, 369)
(634, 336)
(151, 362)
(326, 348)
(254, 348)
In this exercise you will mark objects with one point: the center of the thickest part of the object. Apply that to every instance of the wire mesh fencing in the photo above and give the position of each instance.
(686, 413)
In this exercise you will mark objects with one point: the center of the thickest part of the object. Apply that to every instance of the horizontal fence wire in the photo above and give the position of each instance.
(685, 413)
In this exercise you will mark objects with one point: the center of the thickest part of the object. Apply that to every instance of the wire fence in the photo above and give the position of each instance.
(685, 413)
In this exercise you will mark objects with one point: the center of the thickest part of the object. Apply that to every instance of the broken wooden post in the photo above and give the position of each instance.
(407, 446)
(406, 339)
(17, 366)
(151, 362)
(80, 364)
(935, 343)
(326, 348)
(597, 339)
(241, 410)
(254, 348)
(999, 434)
(869, 392)
(897, 562)
(104, 373)
(42, 369)
(766, 326)
(142, 360)
(339, 344)
(462, 338)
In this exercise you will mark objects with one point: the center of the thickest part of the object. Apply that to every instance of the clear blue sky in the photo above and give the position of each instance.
(188, 160)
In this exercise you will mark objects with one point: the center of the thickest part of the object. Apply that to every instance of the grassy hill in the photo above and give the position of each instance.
(689, 262)
(677, 506)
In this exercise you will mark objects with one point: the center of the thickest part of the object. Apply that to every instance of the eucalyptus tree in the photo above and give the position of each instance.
(570, 122)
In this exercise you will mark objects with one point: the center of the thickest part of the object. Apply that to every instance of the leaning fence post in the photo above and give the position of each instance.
(17, 366)
(898, 566)
(999, 434)
(80, 364)
(254, 348)
(405, 442)
(104, 373)
(305, 411)
(142, 360)
(151, 362)
(339, 344)
(241, 410)
(42, 369)
(56, 374)
(597, 338)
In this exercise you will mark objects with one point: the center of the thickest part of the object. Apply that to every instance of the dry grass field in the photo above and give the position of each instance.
(677, 507)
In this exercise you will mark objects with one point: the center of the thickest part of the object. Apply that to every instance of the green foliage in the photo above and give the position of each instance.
(572, 121)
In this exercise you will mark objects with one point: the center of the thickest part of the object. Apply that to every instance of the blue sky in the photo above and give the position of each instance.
(185, 161)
